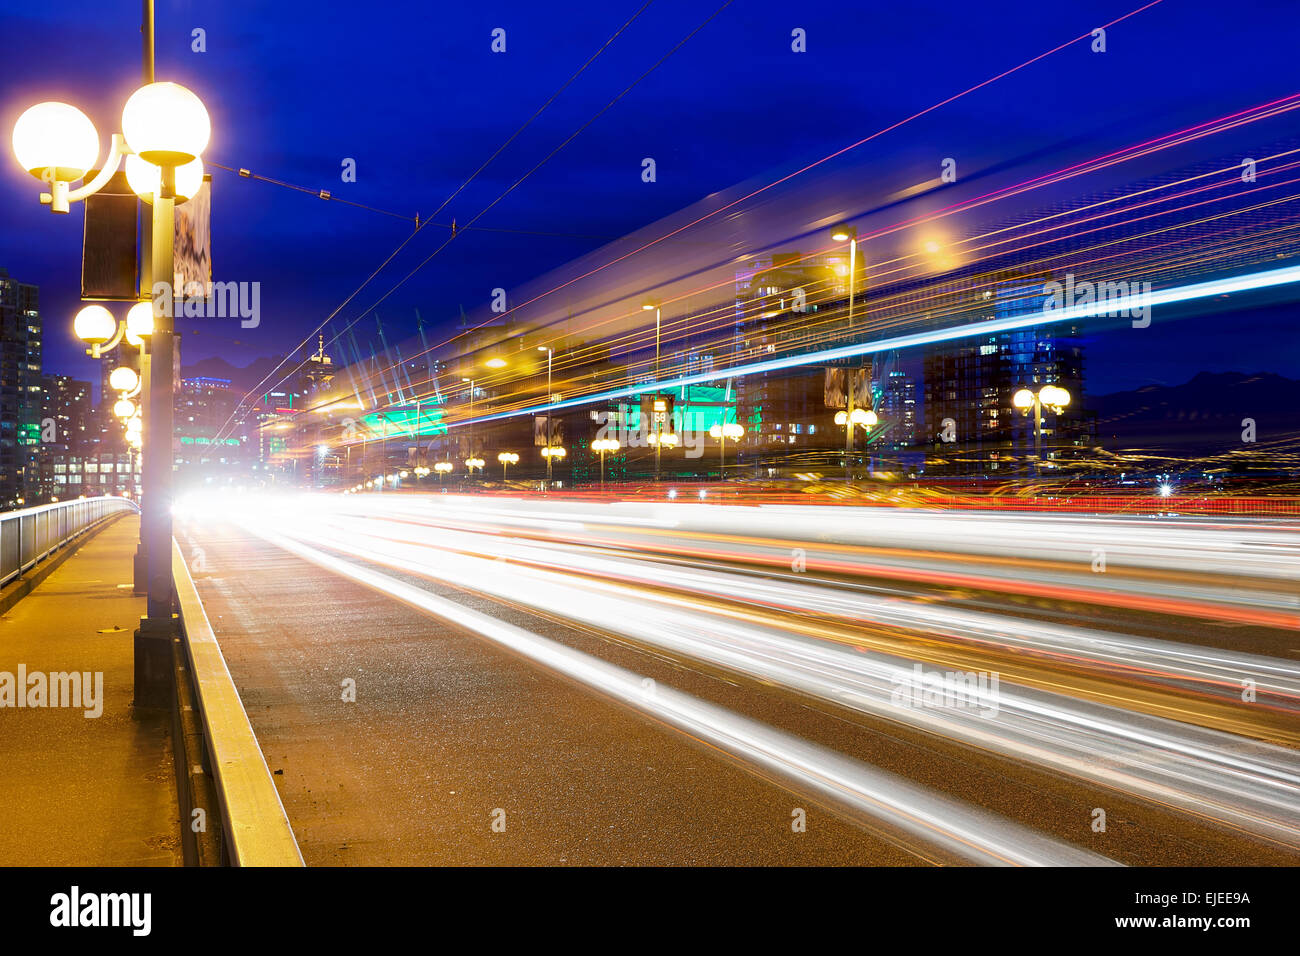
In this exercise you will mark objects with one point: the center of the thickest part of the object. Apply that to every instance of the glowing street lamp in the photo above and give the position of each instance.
(859, 416)
(550, 398)
(166, 125)
(472, 463)
(1053, 397)
(846, 233)
(850, 419)
(732, 430)
(507, 458)
(124, 379)
(646, 306)
(145, 179)
(96, 326)
(442, 468)
(552, 454)
(602, 446)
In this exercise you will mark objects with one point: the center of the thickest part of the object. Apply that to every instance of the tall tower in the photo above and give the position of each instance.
(21, 397)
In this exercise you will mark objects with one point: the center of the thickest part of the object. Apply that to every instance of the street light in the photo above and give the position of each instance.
(442, 468)
(55, 142)
(507, 458)
(145, 179)
(1053, 397)
(846, 233)
(96, 326)
(859, 416)
(471, 413)
(472, 463)
(603, 445)
(550, 397)
(732, 430)
(646, 306)
(123, 379)
(850, 419)
(167, 125)
(552, 453)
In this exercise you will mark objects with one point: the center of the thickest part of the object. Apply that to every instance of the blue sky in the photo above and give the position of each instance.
(415, 95)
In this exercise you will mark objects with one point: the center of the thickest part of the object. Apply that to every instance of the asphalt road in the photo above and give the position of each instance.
(1122, 700)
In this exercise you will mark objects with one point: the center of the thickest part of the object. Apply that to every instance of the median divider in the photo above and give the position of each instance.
(254, 828)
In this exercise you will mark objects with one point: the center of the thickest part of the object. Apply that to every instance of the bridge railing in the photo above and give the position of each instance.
(255, 828)
(29, 534)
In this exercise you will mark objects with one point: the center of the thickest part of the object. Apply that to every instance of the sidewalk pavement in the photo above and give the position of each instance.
(78, 790)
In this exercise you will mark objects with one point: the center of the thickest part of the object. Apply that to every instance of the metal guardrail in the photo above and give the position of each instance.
(255, 829)
(29, 534)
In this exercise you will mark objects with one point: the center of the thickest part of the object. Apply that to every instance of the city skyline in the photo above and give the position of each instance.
(658, 436)
(457, 278)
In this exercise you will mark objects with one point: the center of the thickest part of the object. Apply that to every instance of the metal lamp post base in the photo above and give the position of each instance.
(153, 663)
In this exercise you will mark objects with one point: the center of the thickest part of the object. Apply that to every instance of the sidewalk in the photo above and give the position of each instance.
(78, 790)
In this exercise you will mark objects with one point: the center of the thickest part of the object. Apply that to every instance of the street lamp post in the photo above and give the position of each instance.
(507, 458)
(471, 413)
(603, 445)
(1052, 396)
(846, 233)
(550, 453)
(732, 430)
(646, 307)
(850, 235)
(96, 326)
(850, 420)
(550, 356)
(165, 128)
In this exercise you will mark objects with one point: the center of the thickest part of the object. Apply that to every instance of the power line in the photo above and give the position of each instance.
(419, 226)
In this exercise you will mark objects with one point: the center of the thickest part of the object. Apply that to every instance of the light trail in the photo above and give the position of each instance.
(1255, 281)
(869, 796)
(792, 634)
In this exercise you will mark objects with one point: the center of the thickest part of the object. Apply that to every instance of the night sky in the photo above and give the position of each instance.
(414, 94)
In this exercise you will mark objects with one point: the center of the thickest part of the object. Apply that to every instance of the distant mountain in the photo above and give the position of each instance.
(1200, 417)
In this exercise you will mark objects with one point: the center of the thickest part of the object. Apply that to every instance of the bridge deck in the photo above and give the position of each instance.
(447, 728)
(78, 790)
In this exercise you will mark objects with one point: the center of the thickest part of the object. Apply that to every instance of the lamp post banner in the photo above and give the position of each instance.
(192, 255)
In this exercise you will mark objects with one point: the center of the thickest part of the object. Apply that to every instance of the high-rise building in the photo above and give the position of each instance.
(777, 303)
(22, 404)
(972, 426)
(69, 413)
(897, 407)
